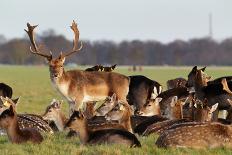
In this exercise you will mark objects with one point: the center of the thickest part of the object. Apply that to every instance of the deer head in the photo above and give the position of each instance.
(53, 111)
(6, 102)
(6, 117)
(197, 77)
(151, 108)
(56, 65)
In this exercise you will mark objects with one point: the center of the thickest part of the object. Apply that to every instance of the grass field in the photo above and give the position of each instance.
(33, 85)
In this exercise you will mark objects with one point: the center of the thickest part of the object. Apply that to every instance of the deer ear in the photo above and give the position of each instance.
(214, 107)
(16, 101)
(158, 100)
(61, 57)
(113, 97)
(174, 100)
(11, 112)
(203, 69)
(194, 68)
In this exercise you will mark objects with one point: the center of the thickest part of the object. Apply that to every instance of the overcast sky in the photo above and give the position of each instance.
(163, 20)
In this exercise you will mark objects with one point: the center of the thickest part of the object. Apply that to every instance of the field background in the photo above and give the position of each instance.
(33, 85)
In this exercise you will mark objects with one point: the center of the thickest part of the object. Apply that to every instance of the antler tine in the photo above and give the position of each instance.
(30, 33)
(76, 39)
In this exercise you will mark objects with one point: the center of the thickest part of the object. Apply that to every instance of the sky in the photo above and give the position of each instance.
(117, 20)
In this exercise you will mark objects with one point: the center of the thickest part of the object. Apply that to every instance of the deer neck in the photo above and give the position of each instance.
(84, 133)
(126, 122)
(60, 121)
(13, 131)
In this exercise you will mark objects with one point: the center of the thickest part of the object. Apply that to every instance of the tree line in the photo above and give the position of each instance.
(200, 51)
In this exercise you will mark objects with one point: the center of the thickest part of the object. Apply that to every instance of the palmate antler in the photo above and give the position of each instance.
(75, 41)
(30, 33)
(36, 50)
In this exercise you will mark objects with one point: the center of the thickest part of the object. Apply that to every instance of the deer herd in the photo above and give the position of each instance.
(107, 107)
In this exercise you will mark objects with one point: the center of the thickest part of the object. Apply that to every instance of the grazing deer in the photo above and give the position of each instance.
(214, 93)
(77, 86)
(5, 90)
(151, 108)
(95, 68)
(78, 123)
(122, 113)
(200, 136)
(109, 69)
(26, 120)
(141, 90)
(175, 83)
(9, 121)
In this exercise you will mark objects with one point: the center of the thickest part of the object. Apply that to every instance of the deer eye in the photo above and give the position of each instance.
(49, 110)
(149, 105)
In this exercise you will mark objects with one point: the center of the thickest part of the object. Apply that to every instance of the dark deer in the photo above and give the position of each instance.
(109, 69)
(175, 83)
(79, 123)
(214, 93)
(9, 121)
(141, 90)
(5, 90)
(77, 86)
(95, 68)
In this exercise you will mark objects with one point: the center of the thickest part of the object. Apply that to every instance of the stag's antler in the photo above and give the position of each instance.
(36, 50)
(75, 41)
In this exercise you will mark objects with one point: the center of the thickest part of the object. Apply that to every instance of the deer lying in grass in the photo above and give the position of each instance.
(78, 123)
(151, 108)
(206, 135)
(54, 113)
(95, 68)
(200, 113)
(26, 120)
(9, 121)
(80, 87)
(122, 113)
(214, 93)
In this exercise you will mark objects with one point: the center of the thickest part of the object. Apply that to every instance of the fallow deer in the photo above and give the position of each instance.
(77, 86)
(95, 68)
(141, 90)
(26, 120)
(175, 83)
(214, 93)
(9, 121)
(122, 113)
(109, 69)
(151, 108)
(78, 123)
(5, 90)
(200, 136)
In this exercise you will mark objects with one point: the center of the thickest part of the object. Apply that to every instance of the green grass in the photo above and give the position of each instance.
(33, 85)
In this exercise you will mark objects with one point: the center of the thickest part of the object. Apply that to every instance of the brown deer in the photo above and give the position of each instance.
(53, 113)
(95, 68)
(77, 86)
(151, 108)
(26, 120)
(9, 121)
(109, 69)
(175, 83)
(200, 136)
(122, 113)
(79, 123)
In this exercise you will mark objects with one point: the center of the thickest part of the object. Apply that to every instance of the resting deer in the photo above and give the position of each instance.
(151, 108)
(9, 121)
(26, 120)
(78, 123)
(175, 83)
(214, 93)
(109, 69)
(77, 86)
(122, 113)
(95, 68)
(206, 135)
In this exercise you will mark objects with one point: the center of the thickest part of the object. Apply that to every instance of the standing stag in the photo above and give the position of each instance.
(78, 86)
